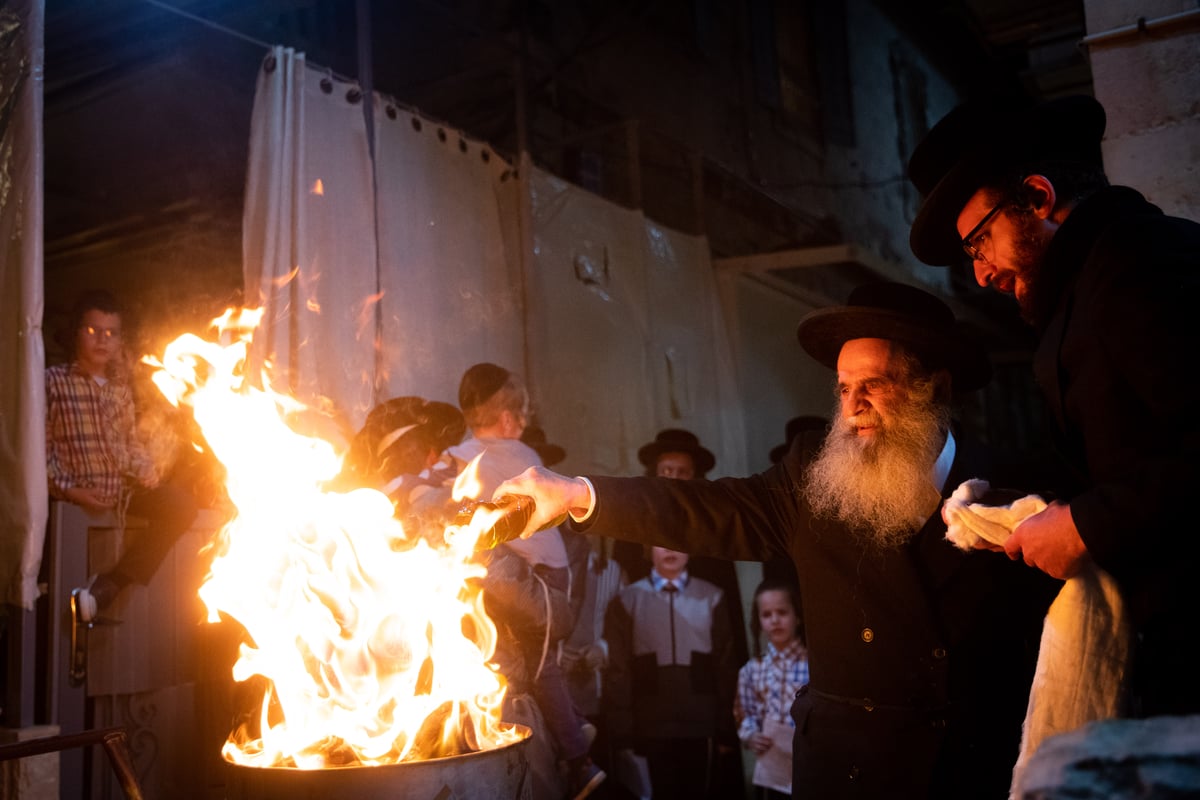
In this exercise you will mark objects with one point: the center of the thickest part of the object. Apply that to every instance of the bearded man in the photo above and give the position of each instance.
(920, 656)
(1109, 283)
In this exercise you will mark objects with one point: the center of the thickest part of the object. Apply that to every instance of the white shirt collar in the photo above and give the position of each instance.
(941, 467)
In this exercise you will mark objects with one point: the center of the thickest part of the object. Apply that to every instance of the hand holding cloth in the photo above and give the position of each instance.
(1083, 660)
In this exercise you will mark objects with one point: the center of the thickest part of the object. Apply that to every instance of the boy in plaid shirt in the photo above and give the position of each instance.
(94, 457)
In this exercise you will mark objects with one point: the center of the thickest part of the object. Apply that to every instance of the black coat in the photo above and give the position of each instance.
(920, 656)
(1117, 362)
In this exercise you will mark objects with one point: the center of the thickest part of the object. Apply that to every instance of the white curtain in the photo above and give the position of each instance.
(373, 292)
(309, 237)
(447, 251)
(613, 320)
(23, 500)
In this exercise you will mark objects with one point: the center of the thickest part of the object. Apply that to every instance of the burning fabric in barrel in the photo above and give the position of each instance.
(372, 642)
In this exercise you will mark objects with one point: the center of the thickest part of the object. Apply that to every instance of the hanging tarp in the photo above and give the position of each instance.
(372, 290)
(23, 500)
(309, 237)
(449, 270)
(396, 286)
(626, 333)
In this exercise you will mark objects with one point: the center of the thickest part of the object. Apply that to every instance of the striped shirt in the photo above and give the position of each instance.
(90, 436)
(603, 582)
(767, 685)
(606, 582)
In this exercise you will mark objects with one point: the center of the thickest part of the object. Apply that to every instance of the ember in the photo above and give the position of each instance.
(373, 644)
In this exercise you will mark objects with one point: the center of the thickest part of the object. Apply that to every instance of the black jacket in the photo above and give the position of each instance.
(1117, 363)
(920, 657)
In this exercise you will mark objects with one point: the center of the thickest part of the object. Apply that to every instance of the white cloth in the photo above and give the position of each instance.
(1083, 659)
(970, 522)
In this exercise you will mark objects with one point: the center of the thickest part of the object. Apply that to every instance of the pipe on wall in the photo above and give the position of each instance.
(1142, 27)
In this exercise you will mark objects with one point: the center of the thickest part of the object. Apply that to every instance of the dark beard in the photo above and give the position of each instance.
(882, 489)
(1029, 253)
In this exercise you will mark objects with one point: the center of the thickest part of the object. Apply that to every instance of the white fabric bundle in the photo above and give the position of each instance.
(1084, 655)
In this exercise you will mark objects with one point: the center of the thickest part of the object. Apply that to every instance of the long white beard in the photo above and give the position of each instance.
(882, 488)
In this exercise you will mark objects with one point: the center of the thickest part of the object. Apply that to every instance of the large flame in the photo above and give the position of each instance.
(374, 645)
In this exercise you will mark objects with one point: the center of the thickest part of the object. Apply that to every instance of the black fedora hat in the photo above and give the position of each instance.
(904, 314)
(677, 440)
(977, 143)
(535, 437)
(794, 427)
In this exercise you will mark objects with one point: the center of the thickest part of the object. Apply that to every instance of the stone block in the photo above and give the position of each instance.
(32, 778)
(1119, 759)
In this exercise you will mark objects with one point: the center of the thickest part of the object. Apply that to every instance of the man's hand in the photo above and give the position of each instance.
(1049, 541)
(980, 542)
(595, 656)
(88, 498)
(760, 743)
(584, 659)
(553, 496)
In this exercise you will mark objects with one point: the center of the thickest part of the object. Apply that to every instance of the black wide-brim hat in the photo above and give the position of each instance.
(535, 437)
(904, 314)
(397, 436)
(794, 427)
(440, 423)
(677, 440)
(977, 143)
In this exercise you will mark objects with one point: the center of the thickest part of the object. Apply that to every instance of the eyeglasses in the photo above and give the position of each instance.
(100, 333)
(969, 244)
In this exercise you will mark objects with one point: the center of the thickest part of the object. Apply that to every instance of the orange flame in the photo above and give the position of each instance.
(375, 645)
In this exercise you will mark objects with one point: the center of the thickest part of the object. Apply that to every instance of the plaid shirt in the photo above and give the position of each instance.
(767, 686)
(90, 436)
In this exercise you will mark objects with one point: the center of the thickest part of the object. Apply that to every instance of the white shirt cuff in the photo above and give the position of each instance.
(591, 506)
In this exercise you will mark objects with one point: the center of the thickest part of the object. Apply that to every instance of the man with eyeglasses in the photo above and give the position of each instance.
(1109, 282)
(921, 656)
(95, 458)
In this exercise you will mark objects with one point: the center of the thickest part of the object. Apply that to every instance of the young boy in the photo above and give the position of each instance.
(94, 457)
(495, 404)
(671, 677)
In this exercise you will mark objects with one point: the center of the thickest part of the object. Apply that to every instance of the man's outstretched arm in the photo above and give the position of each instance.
(554, 497)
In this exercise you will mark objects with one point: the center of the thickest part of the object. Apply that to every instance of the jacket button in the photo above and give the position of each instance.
(868, 635)
(939, 652)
